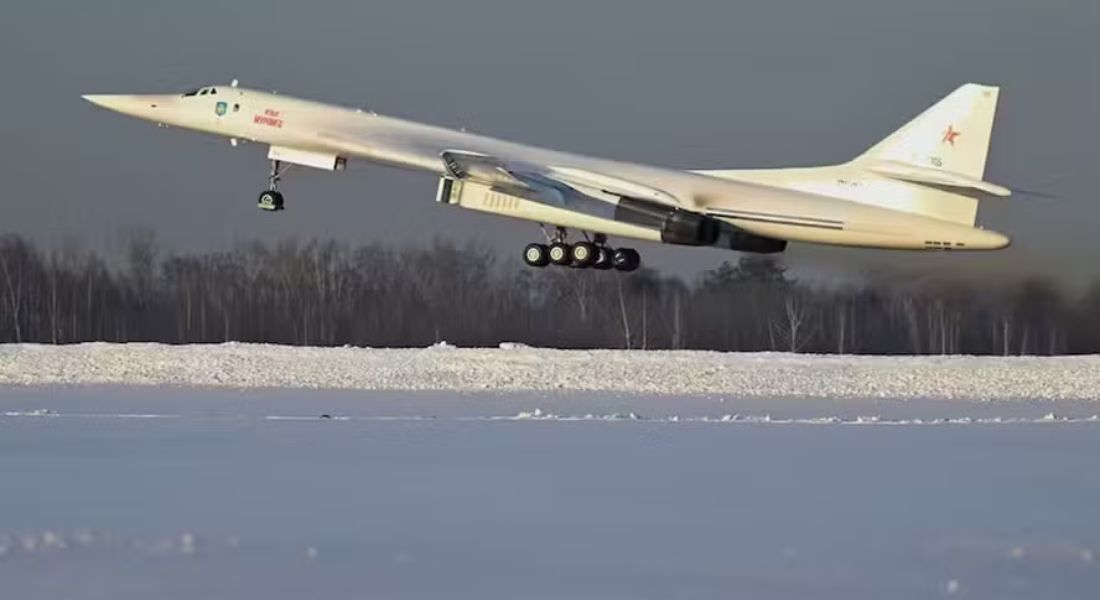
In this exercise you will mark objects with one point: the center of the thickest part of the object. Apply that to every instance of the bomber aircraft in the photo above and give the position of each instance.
(918, 189)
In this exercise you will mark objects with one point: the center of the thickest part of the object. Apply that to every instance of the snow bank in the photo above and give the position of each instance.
(533, 369)
(631, 417)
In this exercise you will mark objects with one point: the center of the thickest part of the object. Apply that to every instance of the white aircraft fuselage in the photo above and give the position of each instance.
(917, 190)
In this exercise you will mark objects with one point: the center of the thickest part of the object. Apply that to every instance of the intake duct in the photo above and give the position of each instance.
(677, 226)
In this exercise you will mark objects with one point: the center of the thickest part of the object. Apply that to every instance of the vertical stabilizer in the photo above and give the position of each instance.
(952, 136)
(933, 166)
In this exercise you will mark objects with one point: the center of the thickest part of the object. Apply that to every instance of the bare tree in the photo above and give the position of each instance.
(14, 256)
(327, 293)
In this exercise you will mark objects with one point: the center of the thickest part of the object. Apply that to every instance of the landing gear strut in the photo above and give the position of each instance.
(594, 253)
(271, 199)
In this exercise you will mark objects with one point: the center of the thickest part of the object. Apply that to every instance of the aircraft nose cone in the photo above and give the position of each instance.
(108, 101)
(136, 106)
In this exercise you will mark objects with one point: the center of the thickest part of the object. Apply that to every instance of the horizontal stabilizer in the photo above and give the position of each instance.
(936, 178)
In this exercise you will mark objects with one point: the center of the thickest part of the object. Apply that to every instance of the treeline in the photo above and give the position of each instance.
(328, 293)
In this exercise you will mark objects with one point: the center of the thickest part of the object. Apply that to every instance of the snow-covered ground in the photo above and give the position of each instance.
(243, 471)
(517, 368)
(124, 492)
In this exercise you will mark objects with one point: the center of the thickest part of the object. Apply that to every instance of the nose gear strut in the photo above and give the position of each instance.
(271, 199)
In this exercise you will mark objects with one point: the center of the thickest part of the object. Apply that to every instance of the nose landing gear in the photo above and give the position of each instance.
(271, 199)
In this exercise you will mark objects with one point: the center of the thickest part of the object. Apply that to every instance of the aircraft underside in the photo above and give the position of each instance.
(633, 218)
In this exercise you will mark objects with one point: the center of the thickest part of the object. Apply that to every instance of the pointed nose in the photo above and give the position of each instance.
(108, 101)
(136, 106)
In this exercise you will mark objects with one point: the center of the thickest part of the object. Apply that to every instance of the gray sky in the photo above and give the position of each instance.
(689, 83)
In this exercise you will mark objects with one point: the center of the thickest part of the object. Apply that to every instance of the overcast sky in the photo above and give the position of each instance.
(684, 83)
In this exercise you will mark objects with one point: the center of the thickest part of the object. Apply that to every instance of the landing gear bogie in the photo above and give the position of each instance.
(593, 253)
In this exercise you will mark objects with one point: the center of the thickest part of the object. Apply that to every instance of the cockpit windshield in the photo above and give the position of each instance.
(200, 92)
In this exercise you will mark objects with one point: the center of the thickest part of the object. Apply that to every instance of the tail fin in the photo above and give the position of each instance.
(933, 166)
(951, 136)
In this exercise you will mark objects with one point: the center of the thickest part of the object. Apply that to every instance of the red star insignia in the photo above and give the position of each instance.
(950, 135)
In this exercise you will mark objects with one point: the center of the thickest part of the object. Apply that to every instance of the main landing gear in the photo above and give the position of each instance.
(595, 254)
(271, 199)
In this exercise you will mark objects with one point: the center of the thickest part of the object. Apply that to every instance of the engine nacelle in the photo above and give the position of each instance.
(742, 241)
(677, 226)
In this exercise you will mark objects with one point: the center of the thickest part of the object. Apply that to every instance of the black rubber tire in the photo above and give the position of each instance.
(584, 254)
(536, 255)
(627, 260)
(561, 254)
(271, 200)
(605, 259)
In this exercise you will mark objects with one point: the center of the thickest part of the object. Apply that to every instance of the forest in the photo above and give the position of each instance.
(327, 293)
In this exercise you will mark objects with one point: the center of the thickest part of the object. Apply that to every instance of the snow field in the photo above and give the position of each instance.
(519, 368)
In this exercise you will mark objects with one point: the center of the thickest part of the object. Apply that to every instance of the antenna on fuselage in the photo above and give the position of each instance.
(235, 83)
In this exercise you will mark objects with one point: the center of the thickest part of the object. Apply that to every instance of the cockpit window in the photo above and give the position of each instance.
(200, 92)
